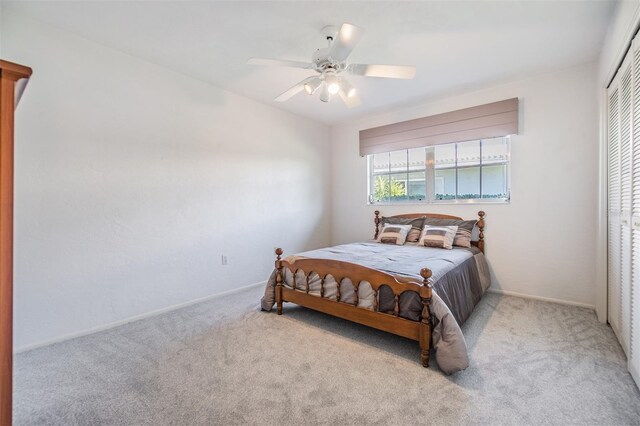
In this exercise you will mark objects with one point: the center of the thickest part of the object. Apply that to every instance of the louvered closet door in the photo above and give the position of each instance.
(625, 91)
(623, 149)
(634, 309)
(613, 216)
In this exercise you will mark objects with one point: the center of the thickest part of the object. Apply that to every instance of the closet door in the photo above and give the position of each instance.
(623, 149)
(613, 214)
(634, 309)
(626, 155)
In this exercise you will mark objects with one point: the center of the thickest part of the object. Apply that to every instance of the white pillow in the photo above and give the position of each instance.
(438, 236)
(394, 234)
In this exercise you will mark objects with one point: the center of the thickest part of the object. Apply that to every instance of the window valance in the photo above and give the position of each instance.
(478, 122)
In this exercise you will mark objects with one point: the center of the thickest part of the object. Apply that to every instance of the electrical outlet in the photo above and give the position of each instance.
(224, 259)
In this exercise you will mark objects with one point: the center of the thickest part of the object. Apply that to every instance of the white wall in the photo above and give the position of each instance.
(133, 180)
(623, 23)
(541, 244)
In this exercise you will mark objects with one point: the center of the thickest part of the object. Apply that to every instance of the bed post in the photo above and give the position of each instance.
(279, 280)
(425, 323)
(376, 220)
(481, 229)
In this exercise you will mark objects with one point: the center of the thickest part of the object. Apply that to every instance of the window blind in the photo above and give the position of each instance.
(478, 122)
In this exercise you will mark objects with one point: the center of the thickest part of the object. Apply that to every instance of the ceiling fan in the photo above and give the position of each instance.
(331, 65)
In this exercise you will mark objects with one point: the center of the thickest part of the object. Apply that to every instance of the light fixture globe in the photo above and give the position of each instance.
(312, 86)
(324, 92)
(332, 82)
(348, 89)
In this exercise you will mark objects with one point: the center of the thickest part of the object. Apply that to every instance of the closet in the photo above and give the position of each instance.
(623, 216)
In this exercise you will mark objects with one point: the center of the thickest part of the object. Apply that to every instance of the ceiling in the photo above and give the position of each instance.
(455, 45)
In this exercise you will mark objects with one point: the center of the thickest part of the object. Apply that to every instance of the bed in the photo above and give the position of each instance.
(421, 293)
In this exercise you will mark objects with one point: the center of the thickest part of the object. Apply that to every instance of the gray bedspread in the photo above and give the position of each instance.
(460, 277)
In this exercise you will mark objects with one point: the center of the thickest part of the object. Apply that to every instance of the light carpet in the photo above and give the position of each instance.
(225, 362)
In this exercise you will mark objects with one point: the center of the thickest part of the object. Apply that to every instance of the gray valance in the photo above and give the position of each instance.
(478, 122)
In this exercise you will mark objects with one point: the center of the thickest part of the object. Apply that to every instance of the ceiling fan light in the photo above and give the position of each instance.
(311, 86)
(324, 93)
(348, 89)
(333, 83)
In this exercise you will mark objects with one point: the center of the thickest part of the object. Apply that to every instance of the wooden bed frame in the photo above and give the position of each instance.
(392, 323)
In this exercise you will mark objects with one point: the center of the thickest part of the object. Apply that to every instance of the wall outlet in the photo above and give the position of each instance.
(224, 259)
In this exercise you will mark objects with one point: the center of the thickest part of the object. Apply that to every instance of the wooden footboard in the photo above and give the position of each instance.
(357, 274)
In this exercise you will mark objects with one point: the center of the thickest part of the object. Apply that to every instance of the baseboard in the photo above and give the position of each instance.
(544, 299)
(134, 318)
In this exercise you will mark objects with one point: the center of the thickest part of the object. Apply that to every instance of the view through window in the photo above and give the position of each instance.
(470, 171)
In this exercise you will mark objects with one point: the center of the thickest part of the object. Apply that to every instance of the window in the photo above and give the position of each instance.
(465, 171)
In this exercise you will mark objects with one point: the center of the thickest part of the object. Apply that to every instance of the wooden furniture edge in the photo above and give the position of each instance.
(11, 77)
(480, 223)
(15, 71)
(392, 323)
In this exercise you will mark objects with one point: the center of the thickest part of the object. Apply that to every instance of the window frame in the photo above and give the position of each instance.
(430, 178)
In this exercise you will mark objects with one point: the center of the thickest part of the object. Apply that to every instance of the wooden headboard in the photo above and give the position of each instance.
(480, 223)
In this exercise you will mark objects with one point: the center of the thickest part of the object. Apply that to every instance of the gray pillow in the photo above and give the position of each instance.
(465, 228)
(416, 226)
(394, 234)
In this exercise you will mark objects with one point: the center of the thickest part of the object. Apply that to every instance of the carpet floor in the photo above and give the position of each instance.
(225, 362)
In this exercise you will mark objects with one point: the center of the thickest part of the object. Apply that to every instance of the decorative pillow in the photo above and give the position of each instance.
(465, 228)
(416, 226)
(438, 236)
(394, 234)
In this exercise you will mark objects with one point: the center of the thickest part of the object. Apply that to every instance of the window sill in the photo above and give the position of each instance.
(439, 202)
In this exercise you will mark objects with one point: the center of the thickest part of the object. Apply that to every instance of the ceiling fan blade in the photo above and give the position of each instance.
(294, 90)
(279, 63)
(345, 41)
(385, 71)
(350, 101)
